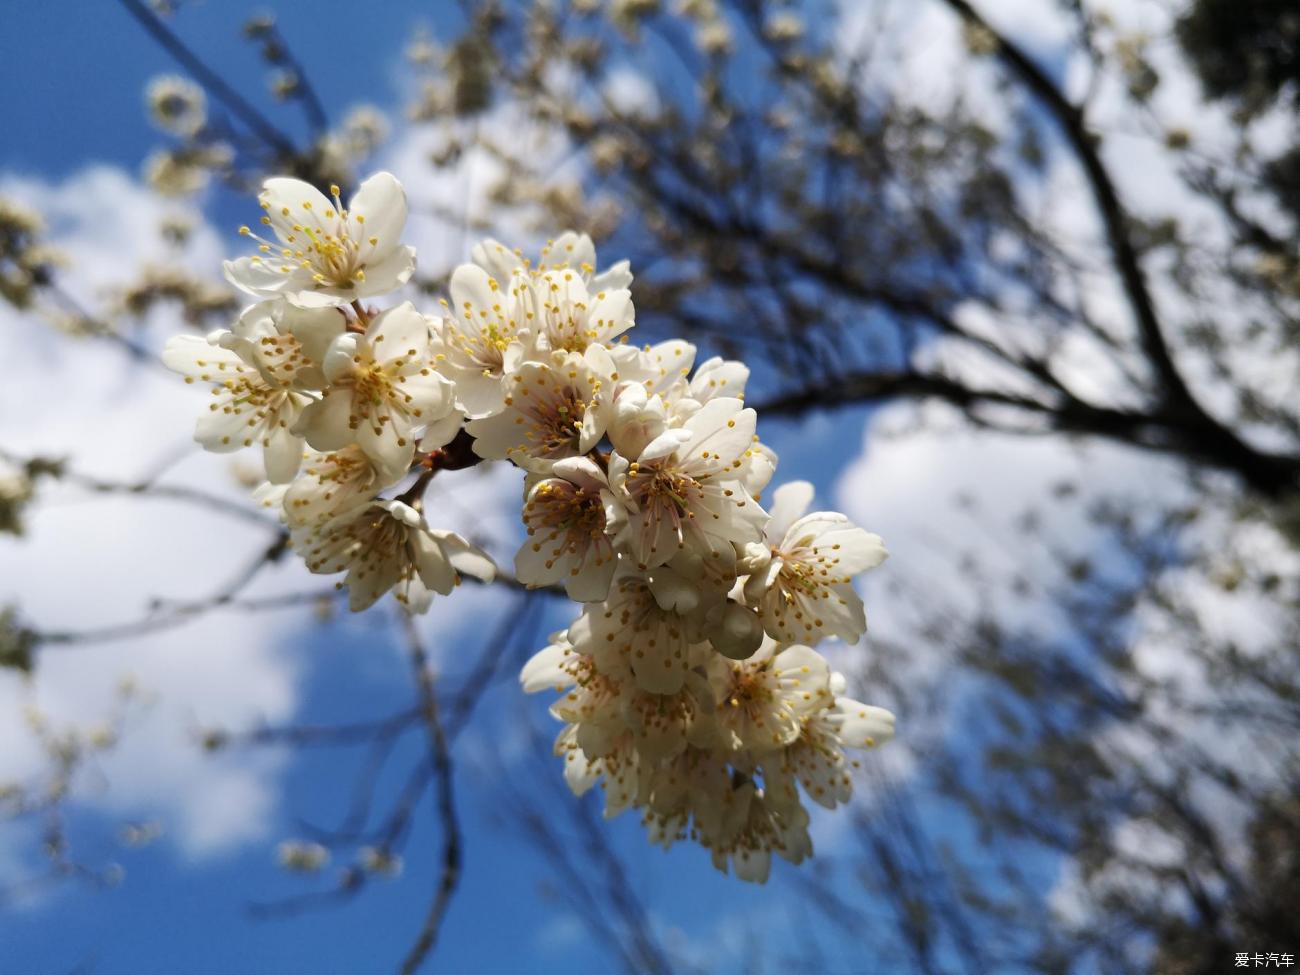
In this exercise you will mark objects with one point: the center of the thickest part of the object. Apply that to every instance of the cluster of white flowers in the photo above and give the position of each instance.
(690, 691)
(689, 686)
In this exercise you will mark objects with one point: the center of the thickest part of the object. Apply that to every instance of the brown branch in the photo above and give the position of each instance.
(445, 800)
(1157, 431)
(1085, 145)
(100, 329)
(1265, 473)
(306, 95)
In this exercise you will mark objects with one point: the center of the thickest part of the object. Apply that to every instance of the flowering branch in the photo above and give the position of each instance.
(690, 686)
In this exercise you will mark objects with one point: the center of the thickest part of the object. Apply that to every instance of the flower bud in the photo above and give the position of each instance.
(737, 633)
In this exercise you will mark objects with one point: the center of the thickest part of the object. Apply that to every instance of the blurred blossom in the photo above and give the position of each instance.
(363, 131)
(626, 15)
(16, 490)
(140, 834)
(259, 26)
(377, 860)
(703, 10)
(979, 40)
(285, 85)
(423, 52)
(607, 152)
(784, 27)
(26, 263)
(176, 105)
(714, 37)
(176, 228)
(16, 641)
(470, 66)
(301, 856)
(182, 172)
(198, 297)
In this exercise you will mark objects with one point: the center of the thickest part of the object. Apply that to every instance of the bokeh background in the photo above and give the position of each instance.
(1019, 284)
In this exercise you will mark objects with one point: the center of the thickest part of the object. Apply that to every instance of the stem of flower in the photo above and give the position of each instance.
(363, 317)
(455, 456)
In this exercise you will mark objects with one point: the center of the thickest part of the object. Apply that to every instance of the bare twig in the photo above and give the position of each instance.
(146, 487)
(177, 613)
(258, 123)
(445, 800)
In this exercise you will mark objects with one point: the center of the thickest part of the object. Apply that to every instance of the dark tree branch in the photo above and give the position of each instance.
(210, 79)
(1266, 474)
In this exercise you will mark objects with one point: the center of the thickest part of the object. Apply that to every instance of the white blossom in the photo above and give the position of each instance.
(801, 581)
(714, 37)
(784, 26)
(568, 252)
(552, 410)
(570, 518)
(480, 340)
(331, 484)
(631, 635)
(680, 488)
(381, 390)
(177, 105)
(817, 756)
(324, 254)
(756, 825)
(263, 373)
(388, 546)
(763, 700)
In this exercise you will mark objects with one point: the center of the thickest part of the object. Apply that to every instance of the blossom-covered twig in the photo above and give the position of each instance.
(690, 687)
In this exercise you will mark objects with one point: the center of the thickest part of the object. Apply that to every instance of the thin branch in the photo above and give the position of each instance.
(100, 329)
(210, 79)
(1153, 431)
(445, 801)
(147, 488)
(512, 628)
(359, 732)
(306, 92)
(177, 613)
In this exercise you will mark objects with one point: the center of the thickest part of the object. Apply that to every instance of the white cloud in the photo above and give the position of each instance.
(452, 204)
(92, 560)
